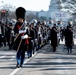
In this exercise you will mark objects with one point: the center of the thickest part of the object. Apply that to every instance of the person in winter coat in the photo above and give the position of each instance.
(69, 39)
(53, 37)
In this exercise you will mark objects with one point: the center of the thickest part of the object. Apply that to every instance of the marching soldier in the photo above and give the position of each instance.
(53, 37)
(0, 34)
(69, 39)
(19, 44)
(3, 30)
(38, 36)
(11, 39)
(31, 34)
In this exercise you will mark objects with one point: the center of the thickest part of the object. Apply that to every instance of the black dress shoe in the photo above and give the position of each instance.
(20, 65)
(17, 66)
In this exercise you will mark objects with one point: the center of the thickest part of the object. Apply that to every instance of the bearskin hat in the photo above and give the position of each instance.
(20, 13)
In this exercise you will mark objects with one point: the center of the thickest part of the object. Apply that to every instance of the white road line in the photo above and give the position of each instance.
(16, 70)
(12, 58)
(2, 56)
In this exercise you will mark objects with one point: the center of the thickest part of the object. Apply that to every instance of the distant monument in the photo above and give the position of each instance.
(55, 11)
(55, 5)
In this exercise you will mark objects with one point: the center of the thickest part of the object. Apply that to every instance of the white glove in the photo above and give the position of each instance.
(22, 31)
(24, 37)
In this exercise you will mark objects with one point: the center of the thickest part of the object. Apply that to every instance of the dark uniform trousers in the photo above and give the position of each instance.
(21, 53)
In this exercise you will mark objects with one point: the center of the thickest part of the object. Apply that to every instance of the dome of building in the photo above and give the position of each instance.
(55, 5)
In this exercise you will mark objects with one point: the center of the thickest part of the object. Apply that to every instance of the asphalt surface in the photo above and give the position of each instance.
(43, 62)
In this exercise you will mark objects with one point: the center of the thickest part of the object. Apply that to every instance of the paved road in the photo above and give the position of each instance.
(44, 62)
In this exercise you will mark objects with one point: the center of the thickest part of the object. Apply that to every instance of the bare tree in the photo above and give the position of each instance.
(70, 5)
(10, 11)
(31, 16)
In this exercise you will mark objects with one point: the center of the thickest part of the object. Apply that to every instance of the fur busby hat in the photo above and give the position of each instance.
(20, 13)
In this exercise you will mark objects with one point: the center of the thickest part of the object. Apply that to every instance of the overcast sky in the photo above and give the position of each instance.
(34, 5)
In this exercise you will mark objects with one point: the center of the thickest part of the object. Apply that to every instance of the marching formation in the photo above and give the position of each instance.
(32, 36)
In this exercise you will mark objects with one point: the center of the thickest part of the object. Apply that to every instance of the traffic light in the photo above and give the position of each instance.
(3, 13)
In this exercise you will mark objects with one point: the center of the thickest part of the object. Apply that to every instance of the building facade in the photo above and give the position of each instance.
(55, 12)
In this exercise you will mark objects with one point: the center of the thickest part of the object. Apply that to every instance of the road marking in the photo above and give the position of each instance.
(16, 70)
(12, 58)
(2, 57)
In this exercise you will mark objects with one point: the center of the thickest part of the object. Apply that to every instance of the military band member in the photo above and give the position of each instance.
(0, 34)
(11, 39)
(19, 44)
(31, 34)
(69, 39)
(53, 37)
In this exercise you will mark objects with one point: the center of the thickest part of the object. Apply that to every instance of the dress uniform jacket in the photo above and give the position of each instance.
(17, 41)
(68, 37)
(53, 36)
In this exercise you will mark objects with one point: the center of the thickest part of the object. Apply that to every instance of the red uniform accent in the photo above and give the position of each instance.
(22, 34)
(27, 41)
(18, 26)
